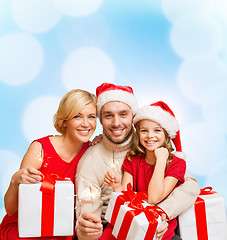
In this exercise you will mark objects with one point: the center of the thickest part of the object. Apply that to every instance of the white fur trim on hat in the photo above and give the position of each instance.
(117, 96)
(157, 114)
(180, 155)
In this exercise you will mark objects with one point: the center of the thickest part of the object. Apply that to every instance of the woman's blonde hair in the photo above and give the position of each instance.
(139, 149)
(70, 105)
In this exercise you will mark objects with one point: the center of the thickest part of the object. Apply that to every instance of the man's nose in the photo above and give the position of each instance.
(116, 121)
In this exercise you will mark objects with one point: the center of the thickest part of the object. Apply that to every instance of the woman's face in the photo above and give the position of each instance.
(151, 135)
(83, 125)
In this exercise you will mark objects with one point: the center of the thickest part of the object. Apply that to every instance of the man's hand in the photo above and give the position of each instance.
(89, 227)
(161, 230)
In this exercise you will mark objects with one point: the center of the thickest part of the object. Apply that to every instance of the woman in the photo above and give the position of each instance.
(75, 120)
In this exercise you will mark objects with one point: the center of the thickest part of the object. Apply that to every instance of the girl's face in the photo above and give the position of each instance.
(83, 125)
(151, 135)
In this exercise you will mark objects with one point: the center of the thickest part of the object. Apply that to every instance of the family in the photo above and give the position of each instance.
(135, 147)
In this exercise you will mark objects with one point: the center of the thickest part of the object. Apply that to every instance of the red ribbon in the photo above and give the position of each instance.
(151, 212)
(48, 195)
(200, 214)
(127, 196)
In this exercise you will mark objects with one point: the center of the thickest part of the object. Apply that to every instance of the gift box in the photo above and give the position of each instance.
(206, 219)
(49, 212)
(132, 218)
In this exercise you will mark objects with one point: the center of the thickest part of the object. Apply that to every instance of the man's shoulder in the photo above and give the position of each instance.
(93, 150)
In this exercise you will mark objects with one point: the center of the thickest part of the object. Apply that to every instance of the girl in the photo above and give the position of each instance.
(150, 165)
(75, 120)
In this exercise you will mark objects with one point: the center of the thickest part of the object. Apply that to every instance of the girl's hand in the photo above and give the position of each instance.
(161, 154)
(112, 180)
(26, 175)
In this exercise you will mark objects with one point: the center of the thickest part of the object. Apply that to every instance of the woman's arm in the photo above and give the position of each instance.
(28, 173)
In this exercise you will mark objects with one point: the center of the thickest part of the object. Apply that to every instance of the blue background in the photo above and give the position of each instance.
(170, 50)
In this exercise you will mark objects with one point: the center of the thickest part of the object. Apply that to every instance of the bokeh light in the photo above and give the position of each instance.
(21, 58)
(87, 68)
(35, 16)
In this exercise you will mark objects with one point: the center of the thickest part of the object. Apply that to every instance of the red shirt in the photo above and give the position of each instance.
(142, 172)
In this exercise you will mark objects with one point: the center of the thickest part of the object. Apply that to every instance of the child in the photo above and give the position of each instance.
(150, 166)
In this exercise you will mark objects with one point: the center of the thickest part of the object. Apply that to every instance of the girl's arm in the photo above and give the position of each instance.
(28, 173)
(159, 186)
(127, 178)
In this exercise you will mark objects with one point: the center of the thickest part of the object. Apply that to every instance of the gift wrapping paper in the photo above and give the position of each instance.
(206, 219)
(33, 217)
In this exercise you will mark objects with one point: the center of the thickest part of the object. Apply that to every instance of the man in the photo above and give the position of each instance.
(116, 107)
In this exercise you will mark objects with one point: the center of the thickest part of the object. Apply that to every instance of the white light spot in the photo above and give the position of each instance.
(87, 68)
(176, 8)
(217, 180)
(38, 117)
(216, 112)
(78, 8)
(21, 58)
(196, 37)
(35, 16)
(9, 164)
(220, 9)
(203, 82)
(203, 144)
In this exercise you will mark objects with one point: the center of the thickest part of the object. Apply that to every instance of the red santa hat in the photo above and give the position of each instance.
(163, 115)
(108, 92)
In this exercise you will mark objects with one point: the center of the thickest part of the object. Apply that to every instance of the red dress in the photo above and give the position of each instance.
(52, 162)
(142, 172)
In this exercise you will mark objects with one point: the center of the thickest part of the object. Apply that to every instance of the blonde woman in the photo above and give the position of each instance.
(75, 120)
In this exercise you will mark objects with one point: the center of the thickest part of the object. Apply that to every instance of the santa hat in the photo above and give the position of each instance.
(108, 92)
(163, 115)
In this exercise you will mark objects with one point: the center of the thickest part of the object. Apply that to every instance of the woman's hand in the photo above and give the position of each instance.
(26, 175)
(96, 140)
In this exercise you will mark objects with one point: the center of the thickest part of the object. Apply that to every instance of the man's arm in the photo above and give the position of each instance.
(88, 211)
(181, 198)
(89, 227)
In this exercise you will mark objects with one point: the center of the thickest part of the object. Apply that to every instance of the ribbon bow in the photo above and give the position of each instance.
(206, 191)
(151, 212)
(127, 196)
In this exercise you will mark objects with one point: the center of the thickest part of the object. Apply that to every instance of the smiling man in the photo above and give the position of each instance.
(116, 107)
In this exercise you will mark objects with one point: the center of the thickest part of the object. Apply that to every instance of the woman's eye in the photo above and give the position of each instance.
(92, 117)
(77, 116)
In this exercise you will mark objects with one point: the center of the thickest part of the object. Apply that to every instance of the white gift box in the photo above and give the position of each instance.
(139, 224)
(30, 209)
(138, 227)
(215, 224)
(111, 204)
